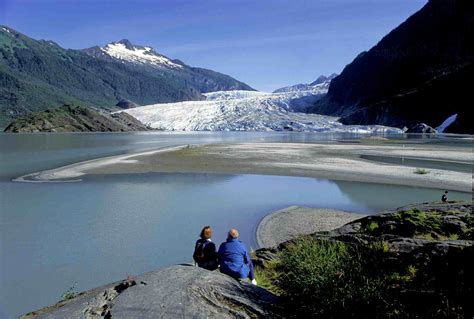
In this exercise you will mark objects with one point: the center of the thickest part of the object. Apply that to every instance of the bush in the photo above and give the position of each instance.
(326, 279)
(70, 293)
(421, 171)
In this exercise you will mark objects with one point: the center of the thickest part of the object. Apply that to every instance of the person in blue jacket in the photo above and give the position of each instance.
(234, 258)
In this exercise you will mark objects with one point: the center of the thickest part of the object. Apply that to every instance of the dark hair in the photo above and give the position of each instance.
(446, 192)
(206, 232)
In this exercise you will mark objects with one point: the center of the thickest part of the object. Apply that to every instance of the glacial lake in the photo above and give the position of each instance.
(107, 227)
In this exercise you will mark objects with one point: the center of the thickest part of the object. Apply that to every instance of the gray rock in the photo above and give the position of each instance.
(453, 225)
(175, 292)
(126, 104)
(422, 128)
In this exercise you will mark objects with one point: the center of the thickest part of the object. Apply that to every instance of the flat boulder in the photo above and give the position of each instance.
(181, 291)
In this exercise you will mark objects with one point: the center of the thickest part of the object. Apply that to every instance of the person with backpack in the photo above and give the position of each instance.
(205, 254)
(234, 258)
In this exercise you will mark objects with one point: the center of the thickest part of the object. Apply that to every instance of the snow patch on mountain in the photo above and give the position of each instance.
(246, 111)
(322, 82)
(138, 54)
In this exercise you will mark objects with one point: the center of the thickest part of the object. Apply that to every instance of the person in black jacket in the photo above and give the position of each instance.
(205, 254)
(444, 198)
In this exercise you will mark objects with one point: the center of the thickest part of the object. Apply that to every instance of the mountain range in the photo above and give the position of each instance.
(322, 79)
(418, 75)
(38, 74)
(420, 72)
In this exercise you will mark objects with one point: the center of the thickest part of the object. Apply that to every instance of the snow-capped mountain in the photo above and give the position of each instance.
(322, 82)
(40, 74)
(125, 51)
(245, 111)
(174, 72)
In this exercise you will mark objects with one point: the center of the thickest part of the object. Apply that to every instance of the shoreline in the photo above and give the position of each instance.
(333, 161)
(288, 223)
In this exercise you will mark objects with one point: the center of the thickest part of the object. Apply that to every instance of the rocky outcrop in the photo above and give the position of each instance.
(422, 253)
(405, 229)
(69, 118)
(422, 128)
(419, 72)
(181, 291)
(434, 241)
(126, 104)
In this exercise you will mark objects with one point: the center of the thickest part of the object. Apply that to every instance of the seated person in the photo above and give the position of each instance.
(205, 254)
(444, 198)
(234, 258)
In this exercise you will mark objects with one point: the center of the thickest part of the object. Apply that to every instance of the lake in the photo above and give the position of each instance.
(107, 227)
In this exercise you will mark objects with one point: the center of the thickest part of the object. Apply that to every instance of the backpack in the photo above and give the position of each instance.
(198, 254)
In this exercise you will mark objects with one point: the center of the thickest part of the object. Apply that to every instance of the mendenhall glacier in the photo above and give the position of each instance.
(239, 110)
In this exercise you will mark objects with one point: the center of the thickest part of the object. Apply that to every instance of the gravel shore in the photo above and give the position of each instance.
(290, 222)
(334, 161)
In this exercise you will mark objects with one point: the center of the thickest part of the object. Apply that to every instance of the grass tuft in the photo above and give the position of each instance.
(70, 293)
(421, 171)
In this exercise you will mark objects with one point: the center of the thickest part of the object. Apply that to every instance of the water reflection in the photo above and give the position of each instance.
(107, 227)
(378, 197)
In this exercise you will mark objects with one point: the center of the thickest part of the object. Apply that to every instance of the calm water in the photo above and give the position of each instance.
(107, 227)
(465, 167)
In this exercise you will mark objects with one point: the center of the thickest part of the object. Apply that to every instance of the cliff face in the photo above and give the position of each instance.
(419, 72)
(75, 119)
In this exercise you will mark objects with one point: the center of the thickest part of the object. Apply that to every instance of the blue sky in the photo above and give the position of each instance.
(265, 43)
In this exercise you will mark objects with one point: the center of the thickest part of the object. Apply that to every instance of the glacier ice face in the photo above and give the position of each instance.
(247, 111)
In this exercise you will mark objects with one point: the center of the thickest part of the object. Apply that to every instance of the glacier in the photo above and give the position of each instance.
(248, 111)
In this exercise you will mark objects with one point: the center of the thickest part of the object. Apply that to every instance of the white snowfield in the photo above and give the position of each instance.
(144, 55)
(247, 111)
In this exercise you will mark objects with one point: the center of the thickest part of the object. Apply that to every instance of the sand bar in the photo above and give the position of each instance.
(293, 221)
(336, 161)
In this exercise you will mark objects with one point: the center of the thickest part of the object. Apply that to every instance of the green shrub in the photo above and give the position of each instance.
(70, 293)
(325, 278)
(381, 246)
(372, 227)
(268, 277)
(421, 171)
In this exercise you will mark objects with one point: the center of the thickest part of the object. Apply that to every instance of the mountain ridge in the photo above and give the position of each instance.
(321, 80)
(389, 84)
(70, 118)
(35, 74)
